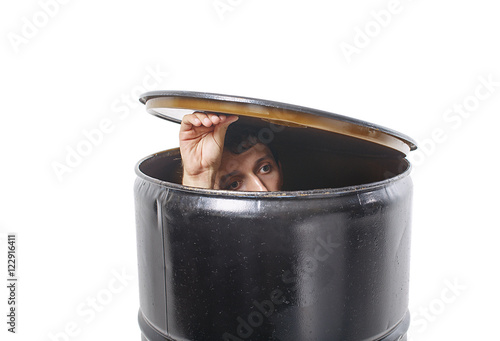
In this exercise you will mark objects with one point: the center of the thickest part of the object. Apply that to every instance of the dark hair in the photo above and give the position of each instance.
(241, 138)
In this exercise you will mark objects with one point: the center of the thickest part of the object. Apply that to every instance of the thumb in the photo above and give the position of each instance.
(229, 119)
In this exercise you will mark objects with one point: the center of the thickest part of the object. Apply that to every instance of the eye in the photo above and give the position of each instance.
(266, 168)
(233, 185)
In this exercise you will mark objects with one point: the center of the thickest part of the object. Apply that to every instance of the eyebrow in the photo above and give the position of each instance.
(268, 157)
(265, 157)
(225, 177)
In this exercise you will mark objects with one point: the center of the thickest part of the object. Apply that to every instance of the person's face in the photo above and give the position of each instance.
(254, 170)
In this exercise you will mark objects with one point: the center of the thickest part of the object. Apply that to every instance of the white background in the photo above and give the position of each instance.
(72, 66)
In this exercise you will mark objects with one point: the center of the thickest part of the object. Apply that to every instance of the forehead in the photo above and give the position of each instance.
(231, 162)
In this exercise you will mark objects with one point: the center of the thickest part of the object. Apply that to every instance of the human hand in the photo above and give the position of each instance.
(201, 140)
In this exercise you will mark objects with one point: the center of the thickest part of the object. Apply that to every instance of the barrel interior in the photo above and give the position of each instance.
(310, 158)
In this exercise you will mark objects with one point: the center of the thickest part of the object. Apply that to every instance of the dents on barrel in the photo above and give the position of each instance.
(368, 204)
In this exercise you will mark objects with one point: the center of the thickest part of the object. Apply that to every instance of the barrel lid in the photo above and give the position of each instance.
(173, 105)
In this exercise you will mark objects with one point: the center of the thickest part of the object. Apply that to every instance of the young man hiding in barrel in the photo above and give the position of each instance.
(238, 161)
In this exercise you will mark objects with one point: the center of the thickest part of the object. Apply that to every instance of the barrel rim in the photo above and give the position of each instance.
(277, 194)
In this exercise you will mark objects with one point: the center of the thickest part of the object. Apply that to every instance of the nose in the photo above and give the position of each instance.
(255, 184)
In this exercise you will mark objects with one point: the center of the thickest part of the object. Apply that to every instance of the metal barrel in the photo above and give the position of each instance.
(320, 264)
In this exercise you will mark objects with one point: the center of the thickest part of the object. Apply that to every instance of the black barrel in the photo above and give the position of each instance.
(327, 258)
